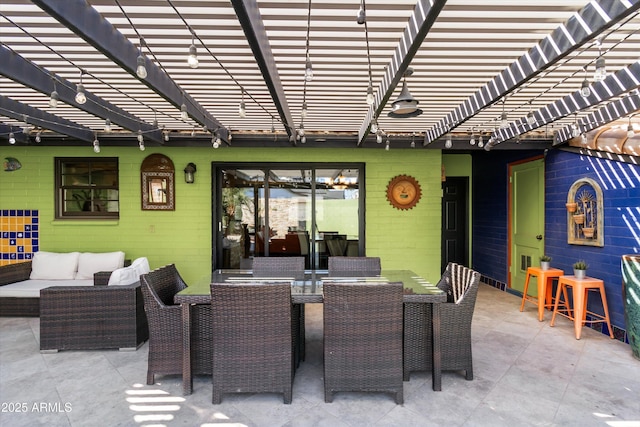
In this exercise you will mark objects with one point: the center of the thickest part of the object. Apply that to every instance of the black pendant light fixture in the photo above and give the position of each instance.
(405, 105)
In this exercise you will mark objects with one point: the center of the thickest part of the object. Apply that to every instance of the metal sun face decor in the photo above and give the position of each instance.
(403, 192)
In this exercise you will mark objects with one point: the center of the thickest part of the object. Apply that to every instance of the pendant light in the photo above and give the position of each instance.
(405, 105)
(192, 60)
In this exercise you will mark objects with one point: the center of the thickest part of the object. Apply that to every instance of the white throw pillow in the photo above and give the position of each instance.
(141, 265)
(90, 263)
(54, 266)
(123, 276)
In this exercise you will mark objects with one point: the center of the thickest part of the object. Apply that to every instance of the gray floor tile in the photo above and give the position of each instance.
(525, 374)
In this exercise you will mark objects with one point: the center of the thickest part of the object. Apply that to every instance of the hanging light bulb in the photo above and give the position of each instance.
(379, 137)
(583, 139)
(39, 136)
(81, 98)
(472, 140)
(242, 110)
(308, 71)
(54, 98)
(166, 136)
(192, 60)
(630, 132)
(374, 126)
(480, 141)
(96, 144)
(601, 70)
(305, 111)
(448, 143)
(370, 97)
(362, 17)
(12, 138)
(140, 140)
(107, 125)
(585, 90)
(387, 145)
(215, 140)
(184, 114)
(141, 69)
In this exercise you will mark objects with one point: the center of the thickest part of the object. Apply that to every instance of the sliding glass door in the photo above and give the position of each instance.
(287, 209)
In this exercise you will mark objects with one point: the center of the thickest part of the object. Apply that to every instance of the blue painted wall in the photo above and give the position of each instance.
(491, 210)
(620, 183)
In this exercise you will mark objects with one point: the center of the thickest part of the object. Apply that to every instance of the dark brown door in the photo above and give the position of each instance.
(454, 221)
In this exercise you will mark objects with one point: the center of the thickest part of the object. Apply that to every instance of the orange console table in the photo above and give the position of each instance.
(580, 289)
(545, 288)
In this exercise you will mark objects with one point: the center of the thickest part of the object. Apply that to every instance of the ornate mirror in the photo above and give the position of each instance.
(157, 179)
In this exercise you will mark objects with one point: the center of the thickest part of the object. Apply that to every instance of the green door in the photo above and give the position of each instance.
(527, 221)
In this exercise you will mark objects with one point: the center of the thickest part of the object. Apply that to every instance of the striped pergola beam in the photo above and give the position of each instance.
(608, 113)
(19, 69)
(88, 24)
(587, 23)
(420, 22)
(614, 85)
(20, 111)
(248, 14)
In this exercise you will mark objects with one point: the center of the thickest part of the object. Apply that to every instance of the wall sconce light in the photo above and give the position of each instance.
(189, 172)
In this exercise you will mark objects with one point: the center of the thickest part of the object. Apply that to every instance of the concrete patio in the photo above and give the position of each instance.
(526, 373)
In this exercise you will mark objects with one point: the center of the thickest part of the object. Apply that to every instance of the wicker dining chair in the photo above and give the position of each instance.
(165, 325)
(363, 338)
(461, 285)
(252, 339)
(287, 266)
(350, 265)
(278, 266)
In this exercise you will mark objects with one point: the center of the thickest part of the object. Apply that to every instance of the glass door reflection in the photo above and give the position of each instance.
(292, 210)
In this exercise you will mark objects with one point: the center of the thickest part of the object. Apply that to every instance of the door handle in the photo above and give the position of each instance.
(539, 237)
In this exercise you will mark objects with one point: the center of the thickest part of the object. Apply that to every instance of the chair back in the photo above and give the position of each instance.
(278, 266)
(252, 338)
(363, 333)
(457, 280)
(162, 284)
(350, 266)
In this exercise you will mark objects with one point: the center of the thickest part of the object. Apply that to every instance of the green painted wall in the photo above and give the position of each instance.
(403, 239)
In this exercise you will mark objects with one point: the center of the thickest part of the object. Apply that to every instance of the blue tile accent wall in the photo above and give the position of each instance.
(19, 235)
(620, 183)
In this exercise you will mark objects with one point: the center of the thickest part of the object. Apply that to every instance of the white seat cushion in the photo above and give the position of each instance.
(90, 263)
(54, 266)
(31, 288)
(130, 274)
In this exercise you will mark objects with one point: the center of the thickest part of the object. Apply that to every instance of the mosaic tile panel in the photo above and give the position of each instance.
(19, 235)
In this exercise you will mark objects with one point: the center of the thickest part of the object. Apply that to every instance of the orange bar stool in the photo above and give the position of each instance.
(580, 289)
(545, 288)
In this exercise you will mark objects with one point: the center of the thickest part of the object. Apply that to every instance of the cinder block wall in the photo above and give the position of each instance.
(403, 239)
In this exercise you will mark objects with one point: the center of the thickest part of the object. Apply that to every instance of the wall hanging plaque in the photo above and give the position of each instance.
(585, 225)
(403, 192)
(157, 181)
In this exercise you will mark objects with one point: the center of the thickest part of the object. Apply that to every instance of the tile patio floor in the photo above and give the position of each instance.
(526, 374)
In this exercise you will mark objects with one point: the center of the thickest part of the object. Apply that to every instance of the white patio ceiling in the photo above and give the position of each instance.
(457, 50)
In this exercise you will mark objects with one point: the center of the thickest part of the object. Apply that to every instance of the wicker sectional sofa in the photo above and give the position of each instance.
(104, 312)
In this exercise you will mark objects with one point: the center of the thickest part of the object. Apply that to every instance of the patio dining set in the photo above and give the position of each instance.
(246, 328)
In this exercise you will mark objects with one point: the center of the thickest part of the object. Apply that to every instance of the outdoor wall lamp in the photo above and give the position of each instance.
(189, 172)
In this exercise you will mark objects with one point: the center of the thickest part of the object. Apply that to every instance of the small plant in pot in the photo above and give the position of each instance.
(545, 262)
(580, 269)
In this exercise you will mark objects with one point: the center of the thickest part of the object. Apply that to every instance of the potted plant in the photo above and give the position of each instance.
(545, 262)
(580, 269)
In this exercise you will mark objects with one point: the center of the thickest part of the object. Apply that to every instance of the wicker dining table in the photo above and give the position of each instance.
(308, 289)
